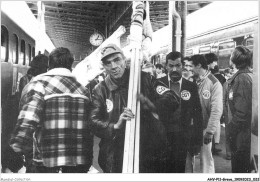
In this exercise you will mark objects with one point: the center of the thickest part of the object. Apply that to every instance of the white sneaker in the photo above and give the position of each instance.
(92, 169)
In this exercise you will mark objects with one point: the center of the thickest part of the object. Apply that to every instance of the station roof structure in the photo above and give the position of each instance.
(71, 23)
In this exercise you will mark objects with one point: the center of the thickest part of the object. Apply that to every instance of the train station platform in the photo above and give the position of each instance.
(222, 165)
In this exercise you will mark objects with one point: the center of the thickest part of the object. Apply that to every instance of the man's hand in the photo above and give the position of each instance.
(146, 103)
(207, 138)
(126, 115)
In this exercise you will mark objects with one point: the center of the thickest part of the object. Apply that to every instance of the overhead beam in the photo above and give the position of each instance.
(78, 10)
(53, 14)
(97, 26)
(81, 36)
(87, 4)
(57, 42)
(124, 10)
(80, 28)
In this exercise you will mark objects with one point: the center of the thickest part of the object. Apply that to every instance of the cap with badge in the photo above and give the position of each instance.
(110, 49)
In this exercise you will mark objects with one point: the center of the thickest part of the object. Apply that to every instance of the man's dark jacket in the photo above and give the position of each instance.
(190, 122)
(109, 100)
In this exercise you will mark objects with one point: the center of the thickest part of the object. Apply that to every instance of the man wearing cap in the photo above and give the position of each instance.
(109, 114)
(184, 128)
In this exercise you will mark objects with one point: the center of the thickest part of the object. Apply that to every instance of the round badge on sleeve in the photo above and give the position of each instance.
(185, 95)
(109, 104)
(206, 94)
(161, 89)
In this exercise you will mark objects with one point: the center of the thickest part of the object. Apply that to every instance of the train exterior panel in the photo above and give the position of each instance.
(18, 48)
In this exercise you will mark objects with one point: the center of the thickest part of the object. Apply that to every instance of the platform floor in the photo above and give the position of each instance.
(221, 164)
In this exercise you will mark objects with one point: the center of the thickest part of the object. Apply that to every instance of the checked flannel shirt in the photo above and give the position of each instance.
(54, 107)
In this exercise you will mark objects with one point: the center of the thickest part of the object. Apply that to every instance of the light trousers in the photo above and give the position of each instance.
(217, 133)
(206, 158)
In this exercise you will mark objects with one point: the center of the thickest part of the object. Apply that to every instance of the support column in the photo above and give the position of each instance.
(182, 11)
(175, 27)
(41, 26)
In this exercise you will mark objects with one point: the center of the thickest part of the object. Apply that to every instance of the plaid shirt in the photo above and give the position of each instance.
(54, 109)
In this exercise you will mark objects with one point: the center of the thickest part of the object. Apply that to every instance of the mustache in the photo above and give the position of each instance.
(174, 73)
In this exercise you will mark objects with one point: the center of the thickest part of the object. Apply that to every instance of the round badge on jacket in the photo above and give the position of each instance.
(161, 89)
(109, 104)
(185, 95)
(206, 94)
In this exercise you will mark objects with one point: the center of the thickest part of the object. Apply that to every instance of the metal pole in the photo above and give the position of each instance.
(135, 41)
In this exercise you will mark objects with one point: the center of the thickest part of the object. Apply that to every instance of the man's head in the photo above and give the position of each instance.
(113, 61)
(212, 60)
(241, 57)
(159, 68)
(174, 65)
(187, 72)
(149, 68)
(197, 63)
(38, 65)
(60, 58)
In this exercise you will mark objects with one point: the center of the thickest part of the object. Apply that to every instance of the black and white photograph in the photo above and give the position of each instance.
(129, 90)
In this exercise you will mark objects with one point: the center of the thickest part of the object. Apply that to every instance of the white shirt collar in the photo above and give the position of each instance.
(58, 72)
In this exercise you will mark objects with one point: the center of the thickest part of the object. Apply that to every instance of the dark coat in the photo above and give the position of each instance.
(109, 99)
(240, 101)
(192, 134)
(239, 128)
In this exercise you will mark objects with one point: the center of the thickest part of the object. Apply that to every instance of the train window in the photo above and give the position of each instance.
(204, 50)
(29, 56)
(15, 49)
(227, 45)
(189, 52)
(22, 53)
(33, 52)
(4, 44)
(250, 42)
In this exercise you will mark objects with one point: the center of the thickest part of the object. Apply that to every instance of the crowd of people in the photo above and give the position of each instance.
(182, 106)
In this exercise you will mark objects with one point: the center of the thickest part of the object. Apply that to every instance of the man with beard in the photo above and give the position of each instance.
(184, 127)
(211, 99)
(109, 114)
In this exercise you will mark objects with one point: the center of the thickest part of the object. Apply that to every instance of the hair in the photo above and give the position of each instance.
(174, 55)
(38, 65)
(160, 66)
(241, 57)
(211, 57)
(215, 70)
(60, 58)
(186, 58)
(199, 59)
